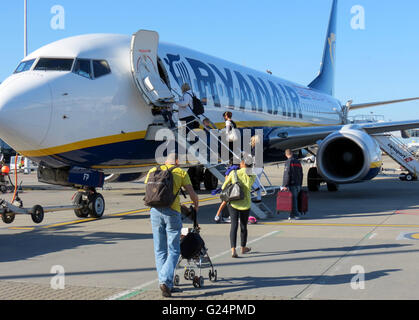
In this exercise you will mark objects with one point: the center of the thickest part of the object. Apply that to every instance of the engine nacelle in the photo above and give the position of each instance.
(349, 155)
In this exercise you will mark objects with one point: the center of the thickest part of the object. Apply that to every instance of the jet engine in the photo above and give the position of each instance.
(347, 156)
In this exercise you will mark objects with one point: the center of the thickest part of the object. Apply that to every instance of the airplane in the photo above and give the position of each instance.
(80, 107)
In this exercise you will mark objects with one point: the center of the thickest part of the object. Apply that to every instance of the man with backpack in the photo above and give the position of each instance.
(189, 107)
(163, 185)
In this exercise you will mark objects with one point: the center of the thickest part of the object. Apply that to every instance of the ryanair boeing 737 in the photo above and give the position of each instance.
(81, 108)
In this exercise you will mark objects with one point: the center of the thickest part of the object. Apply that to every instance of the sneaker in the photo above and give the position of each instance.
(217, 219)
(227, 220)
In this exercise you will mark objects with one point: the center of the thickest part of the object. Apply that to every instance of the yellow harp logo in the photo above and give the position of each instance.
(332, 47)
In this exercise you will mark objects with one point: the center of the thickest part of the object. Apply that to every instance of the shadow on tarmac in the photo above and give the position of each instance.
(40, 242)
(368, 199)
(235, 285)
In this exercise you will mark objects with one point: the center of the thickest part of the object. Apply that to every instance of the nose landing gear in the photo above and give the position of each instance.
(89, 202)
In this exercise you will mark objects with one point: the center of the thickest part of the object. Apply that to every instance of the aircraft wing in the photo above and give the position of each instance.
(298, 138)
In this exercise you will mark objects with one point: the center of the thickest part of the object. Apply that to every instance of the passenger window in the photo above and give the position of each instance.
(82, 68)
(24, 66)
(100, 68)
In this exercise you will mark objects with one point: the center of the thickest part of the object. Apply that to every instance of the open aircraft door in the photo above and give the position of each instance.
(144, 68)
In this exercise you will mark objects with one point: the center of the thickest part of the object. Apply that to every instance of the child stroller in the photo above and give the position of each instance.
(193, 250)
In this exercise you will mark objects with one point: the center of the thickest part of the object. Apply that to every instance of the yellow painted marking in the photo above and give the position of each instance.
(68, 223)
(415, 236)
(298, 224)
(129, 212)
(61, 224)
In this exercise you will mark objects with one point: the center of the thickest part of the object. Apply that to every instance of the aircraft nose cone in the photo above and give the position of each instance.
(25, 111)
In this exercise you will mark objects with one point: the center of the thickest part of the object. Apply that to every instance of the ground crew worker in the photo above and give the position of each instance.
(292, 181)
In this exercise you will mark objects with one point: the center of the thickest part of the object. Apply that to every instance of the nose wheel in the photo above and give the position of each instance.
(89, 203)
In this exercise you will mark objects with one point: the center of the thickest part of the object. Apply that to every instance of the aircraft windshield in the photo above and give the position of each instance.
(53, 64)
(24, 66)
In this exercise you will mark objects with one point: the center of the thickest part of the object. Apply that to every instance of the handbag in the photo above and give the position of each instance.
(233, 191)
(232, 133)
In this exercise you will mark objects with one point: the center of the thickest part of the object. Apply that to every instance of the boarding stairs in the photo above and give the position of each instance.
(400, 153)
(259, 210)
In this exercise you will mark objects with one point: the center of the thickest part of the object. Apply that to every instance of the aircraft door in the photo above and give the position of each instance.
(144, 68)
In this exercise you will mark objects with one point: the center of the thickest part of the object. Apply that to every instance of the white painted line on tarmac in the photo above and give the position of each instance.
(136, 290)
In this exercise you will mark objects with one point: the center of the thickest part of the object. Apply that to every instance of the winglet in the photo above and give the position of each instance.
(325, 81)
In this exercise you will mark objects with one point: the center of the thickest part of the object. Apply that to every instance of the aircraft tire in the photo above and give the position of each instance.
(313, 181)
(84, 211)
(195, 179)
(210, 181)
(332, 187)
(96, 205)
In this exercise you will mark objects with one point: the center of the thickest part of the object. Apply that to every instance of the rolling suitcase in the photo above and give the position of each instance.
(303, 202)
(284, 202)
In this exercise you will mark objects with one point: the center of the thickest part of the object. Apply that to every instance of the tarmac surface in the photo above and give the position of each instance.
(361, 242)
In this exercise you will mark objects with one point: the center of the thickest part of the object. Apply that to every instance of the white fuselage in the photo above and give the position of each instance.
(65, 119)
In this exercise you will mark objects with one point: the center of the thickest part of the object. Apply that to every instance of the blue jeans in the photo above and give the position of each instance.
(295, 190)
(166, 225)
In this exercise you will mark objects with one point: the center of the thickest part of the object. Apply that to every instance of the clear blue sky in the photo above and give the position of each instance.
(287, 37)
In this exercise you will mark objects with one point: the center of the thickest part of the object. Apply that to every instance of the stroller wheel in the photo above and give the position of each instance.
(186, 275)
(191, 274)
(198, 282)
(176, 280)
(213, 275)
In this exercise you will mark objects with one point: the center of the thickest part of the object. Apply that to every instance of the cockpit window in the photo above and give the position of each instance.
(100, 68)
(24, 66)
(53, 64)
(82, 68)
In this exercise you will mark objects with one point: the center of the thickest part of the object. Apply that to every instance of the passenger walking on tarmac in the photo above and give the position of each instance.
(292, 181)
(166, 224)
(225, 217)
(230, 127)
(185, 105)
(240, 209)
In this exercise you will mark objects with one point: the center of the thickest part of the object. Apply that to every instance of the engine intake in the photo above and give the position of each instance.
(347, 156)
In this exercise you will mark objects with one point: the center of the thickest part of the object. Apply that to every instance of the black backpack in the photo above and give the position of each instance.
(197, 106)
(159, 188)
